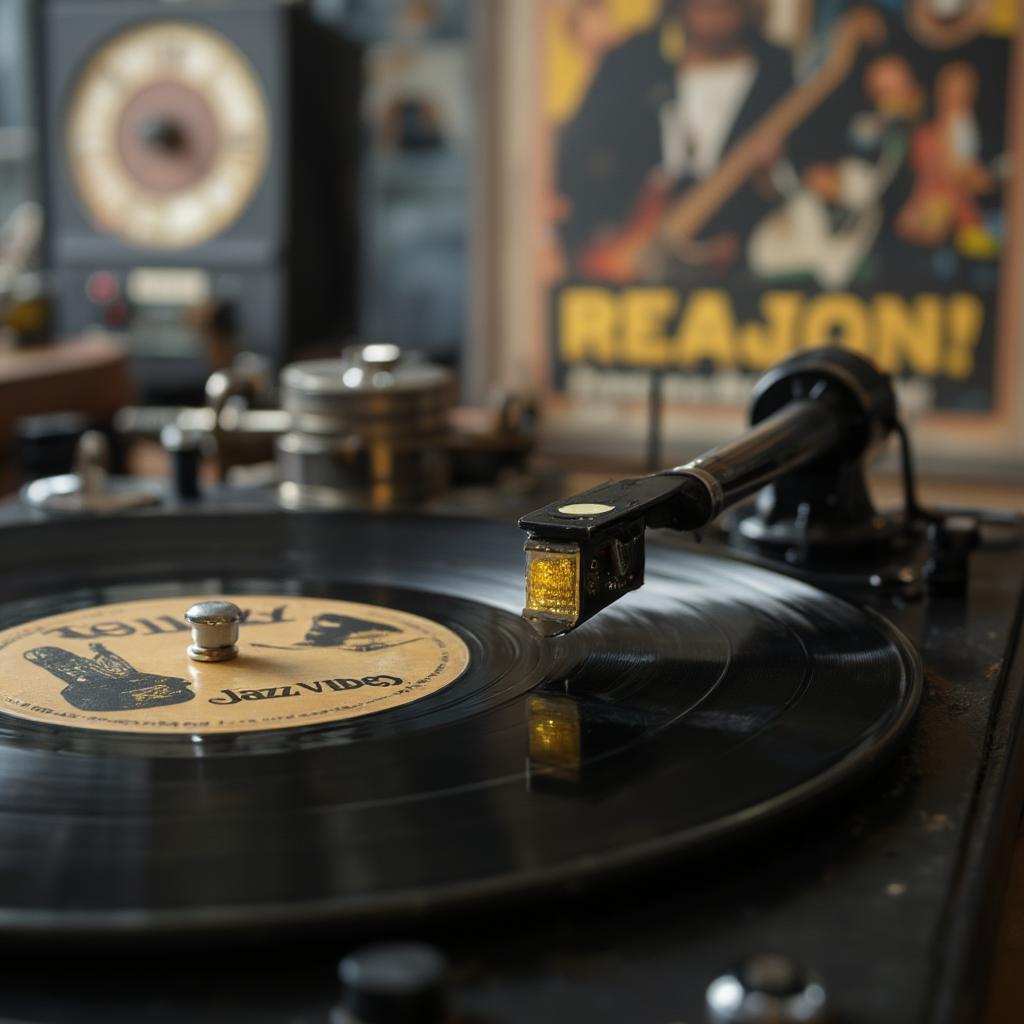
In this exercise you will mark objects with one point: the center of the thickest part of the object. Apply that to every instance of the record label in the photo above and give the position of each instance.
(301, 661)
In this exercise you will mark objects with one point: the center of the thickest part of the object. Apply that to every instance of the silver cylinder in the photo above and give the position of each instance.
(367, 430)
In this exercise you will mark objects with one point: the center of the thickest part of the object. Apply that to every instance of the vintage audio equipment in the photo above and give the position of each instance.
(777, 782)
(371, 428)
(200, 173)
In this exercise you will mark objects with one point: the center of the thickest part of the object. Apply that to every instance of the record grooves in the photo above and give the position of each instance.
(717, 699)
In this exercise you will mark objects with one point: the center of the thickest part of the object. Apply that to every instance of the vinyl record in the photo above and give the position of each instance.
(393, 736)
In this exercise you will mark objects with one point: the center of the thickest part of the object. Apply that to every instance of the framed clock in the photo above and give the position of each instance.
(200, 156)
(168, 135)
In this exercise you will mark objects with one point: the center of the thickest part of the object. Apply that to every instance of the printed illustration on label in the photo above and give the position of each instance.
(301, 661)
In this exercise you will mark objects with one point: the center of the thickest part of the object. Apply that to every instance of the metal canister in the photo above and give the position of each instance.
(366, 430)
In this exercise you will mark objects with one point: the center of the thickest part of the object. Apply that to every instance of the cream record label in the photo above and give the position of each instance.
(302, 661)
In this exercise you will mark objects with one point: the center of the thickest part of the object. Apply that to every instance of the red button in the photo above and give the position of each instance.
(102, 288)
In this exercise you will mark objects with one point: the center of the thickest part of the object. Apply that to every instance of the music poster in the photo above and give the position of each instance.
(728, 181)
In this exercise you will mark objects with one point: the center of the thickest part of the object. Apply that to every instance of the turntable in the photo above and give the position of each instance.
(681, 779)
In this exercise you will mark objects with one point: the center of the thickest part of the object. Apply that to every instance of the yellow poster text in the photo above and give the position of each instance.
(928, 334)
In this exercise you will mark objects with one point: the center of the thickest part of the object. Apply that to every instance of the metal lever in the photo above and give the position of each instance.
(817, 412)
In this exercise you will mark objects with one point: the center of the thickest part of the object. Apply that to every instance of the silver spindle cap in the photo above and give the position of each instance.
(214, 630)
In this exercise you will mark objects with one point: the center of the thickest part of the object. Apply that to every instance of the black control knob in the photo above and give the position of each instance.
(185, 450)
(393, 983)
(950, 543)
(767, 988)
(45, 444)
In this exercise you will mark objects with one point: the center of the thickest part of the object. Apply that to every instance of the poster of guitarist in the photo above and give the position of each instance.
(726, 181)
(660, 114)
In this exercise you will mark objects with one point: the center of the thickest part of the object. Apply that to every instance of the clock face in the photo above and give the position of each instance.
(167, 134)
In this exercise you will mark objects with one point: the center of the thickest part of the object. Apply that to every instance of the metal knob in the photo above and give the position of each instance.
(92, 463)
(214, 630)
(393, 983)
(379, 355)
(370, 366)
(767, 988)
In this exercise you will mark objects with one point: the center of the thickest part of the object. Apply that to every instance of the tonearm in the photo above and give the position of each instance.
(814, 419)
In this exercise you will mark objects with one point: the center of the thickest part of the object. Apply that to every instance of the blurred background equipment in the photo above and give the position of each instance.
(50, 395)
(372, 427)
(200, 179)
(24, 310)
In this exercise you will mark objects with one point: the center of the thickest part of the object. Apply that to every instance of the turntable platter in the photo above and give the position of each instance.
(716, 700)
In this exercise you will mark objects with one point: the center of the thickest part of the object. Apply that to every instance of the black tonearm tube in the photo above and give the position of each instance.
(814, 418)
